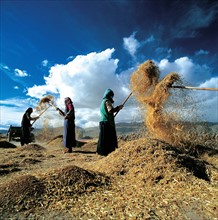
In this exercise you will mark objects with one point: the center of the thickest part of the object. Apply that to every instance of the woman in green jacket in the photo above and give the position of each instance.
(107, 141)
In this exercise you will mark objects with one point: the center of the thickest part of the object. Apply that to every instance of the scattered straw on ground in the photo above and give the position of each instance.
(32, 147)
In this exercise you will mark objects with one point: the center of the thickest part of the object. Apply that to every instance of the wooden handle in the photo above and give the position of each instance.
(124, 102)
(41, 114)
(60, 111)
(195, 88)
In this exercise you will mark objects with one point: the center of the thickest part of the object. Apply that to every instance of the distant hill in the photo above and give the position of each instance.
(3, 131)
(93, 132)
(121, 128)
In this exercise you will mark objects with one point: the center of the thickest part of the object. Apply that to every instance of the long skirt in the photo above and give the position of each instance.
(69, 136)
(25, 135)
(107, 141)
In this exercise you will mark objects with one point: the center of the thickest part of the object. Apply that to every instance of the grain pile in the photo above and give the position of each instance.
(69, 182)
(154, 180)
(23, 193)
(56, 141)
(32, 147)
(50, 190)
(143, 179)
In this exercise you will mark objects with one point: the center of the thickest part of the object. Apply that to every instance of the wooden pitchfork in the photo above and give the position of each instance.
(41, 114)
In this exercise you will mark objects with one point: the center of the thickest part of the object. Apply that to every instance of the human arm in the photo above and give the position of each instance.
(110, 107)
(31, 118)
(60, 112)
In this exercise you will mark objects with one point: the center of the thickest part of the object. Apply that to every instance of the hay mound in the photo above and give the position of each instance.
(6, 144)
(71, 181)
(90, 146)
(23, 193)
(56, 141)
(30, 160)
(154, 180)
(28, 192)
(150, 161)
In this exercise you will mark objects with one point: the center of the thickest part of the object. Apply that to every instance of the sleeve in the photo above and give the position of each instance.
(29, 117)
(109, 106)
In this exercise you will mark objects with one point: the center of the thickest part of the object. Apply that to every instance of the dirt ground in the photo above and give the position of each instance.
(143, 179)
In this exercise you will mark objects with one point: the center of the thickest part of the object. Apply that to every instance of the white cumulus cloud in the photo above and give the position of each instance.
(192, 73)
(85, 79)
(20, 73)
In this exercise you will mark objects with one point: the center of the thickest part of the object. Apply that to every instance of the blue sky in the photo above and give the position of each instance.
(80, 48)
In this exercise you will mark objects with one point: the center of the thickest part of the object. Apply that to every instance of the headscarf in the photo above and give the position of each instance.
(67, 101)
(109, 94)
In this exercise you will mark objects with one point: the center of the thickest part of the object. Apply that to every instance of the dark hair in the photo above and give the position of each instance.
(29, 110)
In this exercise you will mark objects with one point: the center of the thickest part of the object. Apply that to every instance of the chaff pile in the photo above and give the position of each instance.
(28, 192)
(23, 193)
(152, 180)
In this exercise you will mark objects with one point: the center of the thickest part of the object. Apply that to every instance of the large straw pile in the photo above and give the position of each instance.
(153, 180)
(142, 179)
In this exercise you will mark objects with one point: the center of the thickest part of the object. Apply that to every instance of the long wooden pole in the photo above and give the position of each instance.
(128, 96)
(124, 101)
(174, 87)
(194, 88)
(41, 114)
(59, 110)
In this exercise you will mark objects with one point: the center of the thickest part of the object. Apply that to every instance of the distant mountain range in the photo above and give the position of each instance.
(121, 128)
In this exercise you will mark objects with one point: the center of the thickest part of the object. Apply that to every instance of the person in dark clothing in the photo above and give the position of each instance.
(26, 126)
(107, 141)
(69, 136)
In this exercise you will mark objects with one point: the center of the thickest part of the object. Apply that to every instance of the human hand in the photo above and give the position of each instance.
(120, 107)
(60, 112)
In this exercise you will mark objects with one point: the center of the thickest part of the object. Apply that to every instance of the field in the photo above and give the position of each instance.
(145, 178)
